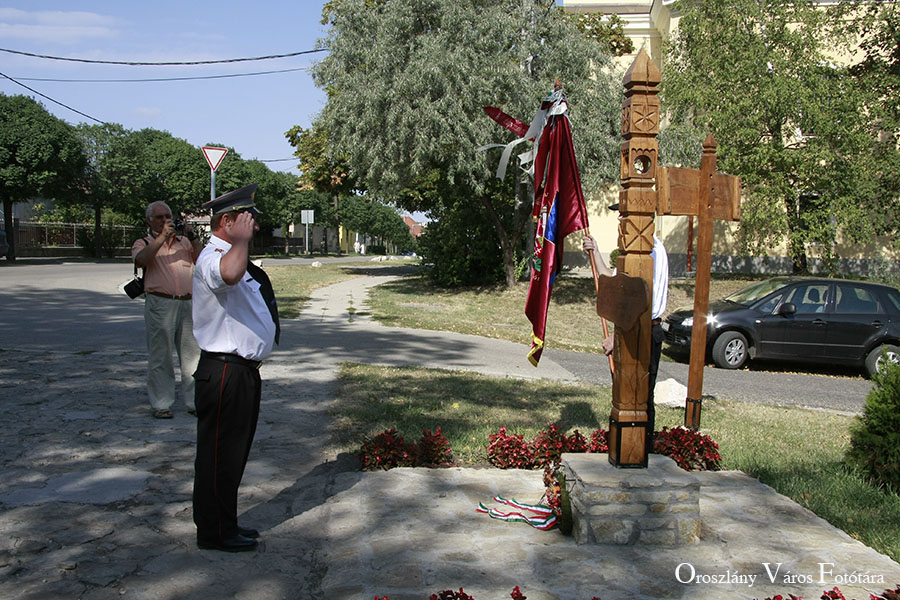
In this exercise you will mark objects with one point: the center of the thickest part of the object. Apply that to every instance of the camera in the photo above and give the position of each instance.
(178, 224)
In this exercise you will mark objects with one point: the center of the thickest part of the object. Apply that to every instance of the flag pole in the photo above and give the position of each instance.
(605, 325)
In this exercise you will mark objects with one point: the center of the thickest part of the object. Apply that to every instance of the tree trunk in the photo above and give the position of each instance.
(507, 242)
(509, 261)
(10, 230)
(799, 263)
(98, 240)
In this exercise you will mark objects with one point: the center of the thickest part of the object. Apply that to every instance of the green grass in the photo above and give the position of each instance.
(497, 312)
(798, 452)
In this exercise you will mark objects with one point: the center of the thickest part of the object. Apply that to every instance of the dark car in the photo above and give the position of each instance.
(828, 321)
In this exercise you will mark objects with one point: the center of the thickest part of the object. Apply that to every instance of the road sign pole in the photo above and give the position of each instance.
(214, 158)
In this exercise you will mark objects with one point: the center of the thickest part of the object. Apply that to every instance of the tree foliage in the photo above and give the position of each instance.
(319, 170)
(374, 219)
(406, 83)
(111, 173)
(789, 121)
(606, 30)
(39, 155)
(875, 26)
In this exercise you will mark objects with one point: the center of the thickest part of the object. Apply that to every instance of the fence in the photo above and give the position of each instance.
(65, 235)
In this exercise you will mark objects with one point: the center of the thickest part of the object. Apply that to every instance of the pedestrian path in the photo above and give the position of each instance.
(95, 496)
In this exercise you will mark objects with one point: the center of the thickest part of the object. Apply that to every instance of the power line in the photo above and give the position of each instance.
(158, 79)
(51, 99)
(162, 64)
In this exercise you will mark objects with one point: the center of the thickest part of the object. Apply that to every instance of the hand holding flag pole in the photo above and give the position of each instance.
(603, 323)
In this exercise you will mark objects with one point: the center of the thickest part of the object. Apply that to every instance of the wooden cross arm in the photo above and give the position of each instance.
(679, 193)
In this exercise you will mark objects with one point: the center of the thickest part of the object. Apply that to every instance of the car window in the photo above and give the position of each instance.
(809, 297)
(894, 297)
(852, 299)
(756, 291)
(769, 305)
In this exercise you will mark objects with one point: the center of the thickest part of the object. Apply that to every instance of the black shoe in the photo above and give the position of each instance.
(247, 532)
(238, 543)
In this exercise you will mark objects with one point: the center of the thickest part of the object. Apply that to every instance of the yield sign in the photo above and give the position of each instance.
(214, 156)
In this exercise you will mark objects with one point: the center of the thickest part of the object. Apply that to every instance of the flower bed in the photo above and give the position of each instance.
(516, 594)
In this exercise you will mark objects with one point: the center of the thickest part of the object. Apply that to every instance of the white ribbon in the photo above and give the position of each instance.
(558, 107)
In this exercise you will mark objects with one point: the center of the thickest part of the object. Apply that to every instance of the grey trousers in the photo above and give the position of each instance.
(170, 331)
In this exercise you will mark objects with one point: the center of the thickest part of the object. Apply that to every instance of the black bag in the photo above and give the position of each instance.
(135, 287)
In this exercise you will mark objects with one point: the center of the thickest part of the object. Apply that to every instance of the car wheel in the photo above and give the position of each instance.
(730, 350)
(875, 360)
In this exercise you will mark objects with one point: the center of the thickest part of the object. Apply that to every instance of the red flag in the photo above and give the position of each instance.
(559, 210)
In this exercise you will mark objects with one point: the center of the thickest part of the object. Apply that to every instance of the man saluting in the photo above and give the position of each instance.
(236, 326)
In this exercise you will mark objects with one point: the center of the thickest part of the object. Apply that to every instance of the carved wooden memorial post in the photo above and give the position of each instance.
(625, 299)
(629, 433)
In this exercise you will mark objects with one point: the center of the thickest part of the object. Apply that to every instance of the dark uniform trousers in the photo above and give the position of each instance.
(227, 397)
(657, 335)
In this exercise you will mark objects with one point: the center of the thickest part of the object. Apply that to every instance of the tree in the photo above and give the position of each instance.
(790, 122)
(875, 27)
(407, 80)
(39, 155)
(175, 171)
(319, 170)
(374, 219)
(113, 173)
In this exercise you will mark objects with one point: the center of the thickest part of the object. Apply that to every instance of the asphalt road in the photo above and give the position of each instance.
(77, 306)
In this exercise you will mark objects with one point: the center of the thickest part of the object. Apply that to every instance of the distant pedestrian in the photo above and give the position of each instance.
(236, 325)
(167, 257)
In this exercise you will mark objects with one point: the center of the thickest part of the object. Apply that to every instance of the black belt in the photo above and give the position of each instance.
(231, 358)
(171, 296)
(655, 321)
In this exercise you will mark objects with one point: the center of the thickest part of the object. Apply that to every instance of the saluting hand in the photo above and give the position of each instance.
(242, 228)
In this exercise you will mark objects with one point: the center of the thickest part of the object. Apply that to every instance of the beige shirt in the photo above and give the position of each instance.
(172, 269)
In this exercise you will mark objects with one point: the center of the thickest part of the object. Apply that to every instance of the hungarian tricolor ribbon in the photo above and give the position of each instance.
(542, 517)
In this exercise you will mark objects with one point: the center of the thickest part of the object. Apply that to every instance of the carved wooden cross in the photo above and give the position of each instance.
(707, 195)
(648, 190)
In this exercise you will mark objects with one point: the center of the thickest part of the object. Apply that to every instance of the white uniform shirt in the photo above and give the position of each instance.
(232, 319)
(660, 278)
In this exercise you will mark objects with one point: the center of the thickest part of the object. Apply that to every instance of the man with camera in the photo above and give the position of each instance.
(167, 257)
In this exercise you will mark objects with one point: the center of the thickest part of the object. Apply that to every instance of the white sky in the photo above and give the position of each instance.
(249, 114)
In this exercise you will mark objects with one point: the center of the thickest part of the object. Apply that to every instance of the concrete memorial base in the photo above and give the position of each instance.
(659, 505)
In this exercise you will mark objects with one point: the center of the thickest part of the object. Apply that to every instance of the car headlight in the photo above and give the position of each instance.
(710, 321)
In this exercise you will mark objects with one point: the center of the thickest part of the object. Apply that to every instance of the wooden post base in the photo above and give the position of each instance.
(692, 413)
(628, 434)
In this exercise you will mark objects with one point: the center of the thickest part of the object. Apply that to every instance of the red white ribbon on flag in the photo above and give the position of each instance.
(554, 104)
(543, 517)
